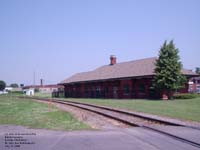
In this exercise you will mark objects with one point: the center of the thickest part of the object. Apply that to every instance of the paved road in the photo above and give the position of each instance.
(120, 139)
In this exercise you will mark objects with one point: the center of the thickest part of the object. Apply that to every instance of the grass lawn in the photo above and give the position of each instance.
(35, 115)
(43, 95)
(188, 109)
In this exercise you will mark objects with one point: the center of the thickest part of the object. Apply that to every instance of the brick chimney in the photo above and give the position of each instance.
(113, 59)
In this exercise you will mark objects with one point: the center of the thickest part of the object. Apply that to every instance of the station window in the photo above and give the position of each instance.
(106, 90)
(126, 89)
(142, 88)
(98, 92)
(98, 89)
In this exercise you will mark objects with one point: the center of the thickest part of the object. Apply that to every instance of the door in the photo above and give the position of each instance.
(115, 92)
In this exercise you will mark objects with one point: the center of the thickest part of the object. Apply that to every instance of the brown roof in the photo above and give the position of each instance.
(43, 86)
(136, 68)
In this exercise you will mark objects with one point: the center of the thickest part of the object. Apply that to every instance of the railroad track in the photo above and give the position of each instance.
(127, 118)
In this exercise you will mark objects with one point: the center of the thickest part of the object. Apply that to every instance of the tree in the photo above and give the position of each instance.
(14, 85)
(197, 70)
(168, 77)
(2, 85)
(21, 85)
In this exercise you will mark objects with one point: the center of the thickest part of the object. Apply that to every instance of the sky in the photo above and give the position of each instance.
(57, 38)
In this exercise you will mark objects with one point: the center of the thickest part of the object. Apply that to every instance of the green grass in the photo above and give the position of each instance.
(35, 115)
(182, 109)
(43, 95)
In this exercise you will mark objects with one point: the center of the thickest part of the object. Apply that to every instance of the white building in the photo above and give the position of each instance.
(8, 89)
(29, 92)
(44, 88)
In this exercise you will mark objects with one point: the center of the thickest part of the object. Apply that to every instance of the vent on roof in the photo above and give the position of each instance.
(113, 59)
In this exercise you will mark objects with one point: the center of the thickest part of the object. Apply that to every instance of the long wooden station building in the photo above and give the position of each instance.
(132, 79)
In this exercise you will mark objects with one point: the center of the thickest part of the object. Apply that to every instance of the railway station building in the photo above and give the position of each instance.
(125, 80)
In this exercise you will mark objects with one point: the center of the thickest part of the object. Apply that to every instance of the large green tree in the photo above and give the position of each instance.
(14, 85)
(168, 77)
(2, 85)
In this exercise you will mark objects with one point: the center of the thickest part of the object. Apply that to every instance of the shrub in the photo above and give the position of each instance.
(185, 96)
(16, 92)
(36, 90)
(2, 85)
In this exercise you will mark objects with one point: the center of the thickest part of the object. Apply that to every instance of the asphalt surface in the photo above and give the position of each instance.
(22, 138)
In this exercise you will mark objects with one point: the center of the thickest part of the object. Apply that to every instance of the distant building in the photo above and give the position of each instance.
(44, 88)
(8, 89)
(194, 85)
(11, 89)
(131, 79)
(29, 92)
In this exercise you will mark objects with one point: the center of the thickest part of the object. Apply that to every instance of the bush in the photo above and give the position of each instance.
(185, 96)
(16, 92)
(2, 85)
(14, 85)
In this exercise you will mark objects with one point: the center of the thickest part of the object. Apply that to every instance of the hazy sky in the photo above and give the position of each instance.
(57, 38)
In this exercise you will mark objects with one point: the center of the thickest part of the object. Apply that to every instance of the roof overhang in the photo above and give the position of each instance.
(108, 80)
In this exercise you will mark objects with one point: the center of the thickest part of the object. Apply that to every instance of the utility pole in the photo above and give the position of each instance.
(41, 82)
(34, 77)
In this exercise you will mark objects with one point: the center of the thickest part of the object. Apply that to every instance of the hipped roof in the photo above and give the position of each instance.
(136, 68)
